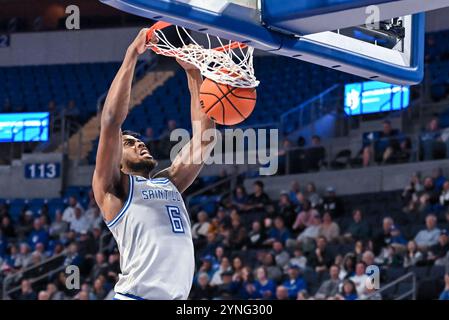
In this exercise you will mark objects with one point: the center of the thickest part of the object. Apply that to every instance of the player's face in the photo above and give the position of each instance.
(136, 155)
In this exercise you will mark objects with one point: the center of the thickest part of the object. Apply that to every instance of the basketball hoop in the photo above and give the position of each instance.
(230, 63)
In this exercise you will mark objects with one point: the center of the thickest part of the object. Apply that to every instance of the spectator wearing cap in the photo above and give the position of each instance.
(295, 282)
(437, 253)
(256, 236)
(445, 294)
(264, 287)
(429, 236)
(328, 228)
(258, 200)
(202, 290)
(226, 289)
(330, 287)
(206, 265)
(305, 217)
(286, 209)
(278, 232)
(412, 256)
(69, 212)
(332, 203)
(360, 277)
(358, 229)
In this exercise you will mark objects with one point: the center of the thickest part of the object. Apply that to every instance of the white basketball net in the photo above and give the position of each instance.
(231, 63)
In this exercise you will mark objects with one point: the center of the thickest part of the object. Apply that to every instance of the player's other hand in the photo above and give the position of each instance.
(139, 43)
(187, 66)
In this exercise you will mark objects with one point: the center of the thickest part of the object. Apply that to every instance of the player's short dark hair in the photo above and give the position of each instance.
(132, 134)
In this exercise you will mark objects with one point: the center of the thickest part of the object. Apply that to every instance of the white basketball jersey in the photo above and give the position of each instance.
(154, 239)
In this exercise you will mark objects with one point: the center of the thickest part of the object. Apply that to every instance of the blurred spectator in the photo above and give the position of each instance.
(358, 229)
(273, 271)
(73, 257)
(429, 236)
(38, 234)
(7, 228)
(202, 289)
(26, 220)
(200, 228)
(26, 291)
(256, 236)
(72, 112)
(286, 209)
(438, 179)
(264, 287)
(280, 255)
(305, 217)
(348, 266)
(54, 293)
(313, 196)
(79, 222)
(243, 284)
(298, 259)
(224, 266)
(239, 198)
(330, 287)
(282, 293)
(348, 291)
(225, 289)
(58, 226)
(237, 235)
(397, 239)
(295, 282)
(432, 144)
(258, 200)
(307, 238)
(437, 252)
(329, 229)
(23, 259)
(445, 294)
(332, 203)
(413, 256)
(93, 215)
(99, 290)
(382, 149)
(278, 232)
(321, 259)
(294, 189)
(383, 237)
(69, 212)
(7, 107)
(316, 154)
(444, 197)
(360, 278)
(43, 295)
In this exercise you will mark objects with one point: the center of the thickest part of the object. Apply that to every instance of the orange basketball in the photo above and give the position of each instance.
(225, 104)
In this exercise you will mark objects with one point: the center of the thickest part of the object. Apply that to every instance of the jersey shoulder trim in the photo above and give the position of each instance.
(126, 205)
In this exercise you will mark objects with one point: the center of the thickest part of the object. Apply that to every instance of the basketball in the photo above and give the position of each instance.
(225, 104)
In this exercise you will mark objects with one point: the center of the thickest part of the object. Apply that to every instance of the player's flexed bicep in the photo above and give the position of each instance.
(190, 160)
(108, 179)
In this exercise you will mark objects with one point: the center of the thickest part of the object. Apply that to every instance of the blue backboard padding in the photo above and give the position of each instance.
(243, 24)
(275, 10)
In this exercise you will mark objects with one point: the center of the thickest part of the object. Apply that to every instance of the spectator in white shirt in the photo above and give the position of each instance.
(200, 228)
(69, 212)
(360, 278)
(79, 223)
(93, 215)
(224, 266)
(429, 236)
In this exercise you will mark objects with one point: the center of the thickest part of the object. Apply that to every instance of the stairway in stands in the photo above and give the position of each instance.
(91, 130)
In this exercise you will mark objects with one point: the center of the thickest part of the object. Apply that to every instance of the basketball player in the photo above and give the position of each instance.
(145, 212)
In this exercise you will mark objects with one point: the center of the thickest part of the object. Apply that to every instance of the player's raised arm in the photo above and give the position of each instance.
(190, 160)
(107, 172)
